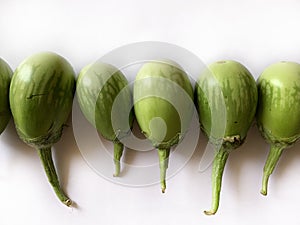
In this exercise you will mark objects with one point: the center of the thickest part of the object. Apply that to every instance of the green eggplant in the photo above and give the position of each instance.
(278, 111)
(5, 77)
(163, 106)
(98, 86)
(41, 97)
(226, 100)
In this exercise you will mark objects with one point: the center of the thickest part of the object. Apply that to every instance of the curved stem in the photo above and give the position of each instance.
(217, 173)
(118, 151)
(273, 157)
(46, 159)
(163, 155)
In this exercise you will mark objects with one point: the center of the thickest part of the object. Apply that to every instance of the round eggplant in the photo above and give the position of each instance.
(105, 100)
(278, 112)
(226, 99)
(41, 97)
(163, 105)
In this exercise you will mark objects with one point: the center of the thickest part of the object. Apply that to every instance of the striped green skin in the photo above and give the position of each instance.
(5, 77)
(228, 91)
(158, 87)
(163, 105)
(105, 100)
(97, 87)
(278, 112)
(226, 99)
(41, 97)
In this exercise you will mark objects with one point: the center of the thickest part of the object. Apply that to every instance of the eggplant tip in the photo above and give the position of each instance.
(263, 192)
(209, 213)
(68, 202)
(115, 174)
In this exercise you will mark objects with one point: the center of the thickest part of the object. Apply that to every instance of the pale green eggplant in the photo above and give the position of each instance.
(163, 105)
(41, 97)
(105, 99)
(278, 112)
(226, 99)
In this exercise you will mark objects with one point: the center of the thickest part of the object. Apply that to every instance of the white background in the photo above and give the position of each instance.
(256, 33)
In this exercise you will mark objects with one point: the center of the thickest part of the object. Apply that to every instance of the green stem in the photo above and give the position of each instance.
(118, 151)
(163, 155)
(273, 157)
(46, 159)
(217, 173)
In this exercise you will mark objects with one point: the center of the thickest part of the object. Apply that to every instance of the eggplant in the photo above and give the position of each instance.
(5, 77)
(278, 111)
(41, 98)
(226, 99)
(163, 106)
(99, 87)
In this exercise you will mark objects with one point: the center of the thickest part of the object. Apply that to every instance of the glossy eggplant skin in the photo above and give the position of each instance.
(41, 98)
(98, 87)
(5, 78)
(278, 112)
(226, 99)
(160, 91)
(163, 105)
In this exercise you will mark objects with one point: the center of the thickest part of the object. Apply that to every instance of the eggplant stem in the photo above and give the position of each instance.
(217, 173)
(118, 151)
(272, 160)
(45, 155)
(163, 155)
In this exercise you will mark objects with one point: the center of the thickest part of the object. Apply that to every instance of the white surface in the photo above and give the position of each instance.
(256, 33)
